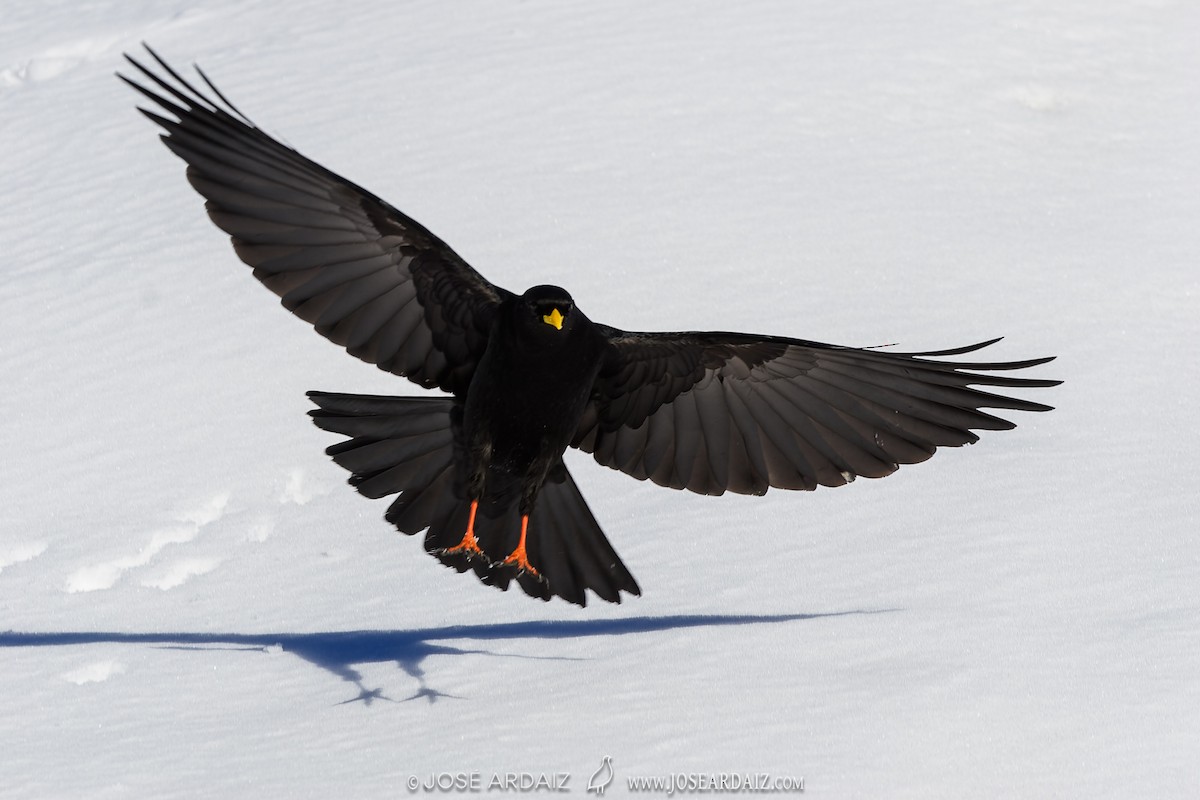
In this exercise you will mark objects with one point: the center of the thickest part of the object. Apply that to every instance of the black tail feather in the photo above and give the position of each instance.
(406, 446)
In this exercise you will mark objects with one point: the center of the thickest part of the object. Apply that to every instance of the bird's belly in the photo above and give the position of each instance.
(525, 423)
(524, 416)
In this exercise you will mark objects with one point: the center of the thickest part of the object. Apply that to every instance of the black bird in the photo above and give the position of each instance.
(530, 375)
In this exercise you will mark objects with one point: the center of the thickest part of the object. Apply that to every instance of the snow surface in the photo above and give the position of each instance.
(198, 605)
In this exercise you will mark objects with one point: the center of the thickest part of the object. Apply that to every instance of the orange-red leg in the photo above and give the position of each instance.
(519, 557)
(469, 544)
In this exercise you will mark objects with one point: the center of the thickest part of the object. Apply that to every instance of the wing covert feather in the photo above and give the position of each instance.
(365, 275)
(716, 412)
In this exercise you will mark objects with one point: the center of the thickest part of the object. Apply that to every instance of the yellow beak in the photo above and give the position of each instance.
(554, 318)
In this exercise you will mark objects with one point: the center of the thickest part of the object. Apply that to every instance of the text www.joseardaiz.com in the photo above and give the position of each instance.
(715, 783)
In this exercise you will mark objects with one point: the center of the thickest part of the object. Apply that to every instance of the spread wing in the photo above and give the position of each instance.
(711, 412)
(365, 275)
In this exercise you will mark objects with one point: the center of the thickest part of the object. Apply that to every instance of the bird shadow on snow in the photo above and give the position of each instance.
(339, 652)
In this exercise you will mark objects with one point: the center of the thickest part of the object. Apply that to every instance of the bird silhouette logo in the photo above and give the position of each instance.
(601, 778)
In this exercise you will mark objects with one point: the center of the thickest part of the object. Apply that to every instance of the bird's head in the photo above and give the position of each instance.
(547, 311)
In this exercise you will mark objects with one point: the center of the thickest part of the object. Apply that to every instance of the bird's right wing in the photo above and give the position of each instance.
(365, 275)
(716, 412)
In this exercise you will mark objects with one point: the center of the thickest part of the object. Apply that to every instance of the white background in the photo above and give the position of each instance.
(183, 572)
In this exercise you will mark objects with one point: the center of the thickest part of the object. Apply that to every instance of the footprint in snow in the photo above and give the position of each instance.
(94, 673)
(105, 575)
(182, 571)
(299, 489)
(56, 60)
(19, 553)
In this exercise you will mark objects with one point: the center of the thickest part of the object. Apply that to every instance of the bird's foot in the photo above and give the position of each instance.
(519, 558)
(468, 547)
(469, 544)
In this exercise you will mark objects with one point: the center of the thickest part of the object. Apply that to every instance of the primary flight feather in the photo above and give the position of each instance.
(529, 375)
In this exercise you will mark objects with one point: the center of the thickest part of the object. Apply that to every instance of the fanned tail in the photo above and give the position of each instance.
(407, 446)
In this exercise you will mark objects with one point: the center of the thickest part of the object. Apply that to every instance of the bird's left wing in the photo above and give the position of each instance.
(365, 275)
(711, 412)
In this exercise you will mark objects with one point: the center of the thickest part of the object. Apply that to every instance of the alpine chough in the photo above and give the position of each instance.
(529, 375)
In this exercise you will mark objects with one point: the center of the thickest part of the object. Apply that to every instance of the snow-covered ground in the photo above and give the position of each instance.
(197, 604)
